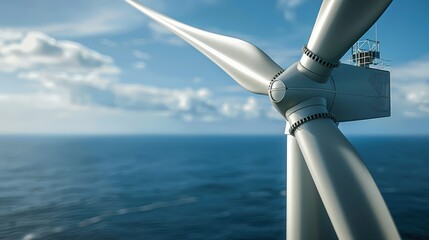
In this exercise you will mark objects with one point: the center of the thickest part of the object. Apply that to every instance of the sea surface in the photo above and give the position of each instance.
(181, 187)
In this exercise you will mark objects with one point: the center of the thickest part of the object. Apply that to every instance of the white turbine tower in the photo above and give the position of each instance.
(330, 193)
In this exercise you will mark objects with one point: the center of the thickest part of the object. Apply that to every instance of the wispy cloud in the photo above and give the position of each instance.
(288, 7)
(22, 51)
(83, 18)
(79, 76)
(160, 34)
(71, 19)
(413, 71)
(141, 55)
(108, 43)
(410, 87)
(139, 65)
(107, 21)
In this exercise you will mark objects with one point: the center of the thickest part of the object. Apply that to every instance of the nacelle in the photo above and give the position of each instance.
(352, 93)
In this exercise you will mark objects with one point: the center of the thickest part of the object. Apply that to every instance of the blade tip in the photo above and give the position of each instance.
(131, 1)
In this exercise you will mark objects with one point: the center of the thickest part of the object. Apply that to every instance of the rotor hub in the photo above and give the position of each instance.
(277, 91)
(292, 87)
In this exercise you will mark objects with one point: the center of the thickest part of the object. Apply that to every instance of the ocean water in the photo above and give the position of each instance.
(177, 187)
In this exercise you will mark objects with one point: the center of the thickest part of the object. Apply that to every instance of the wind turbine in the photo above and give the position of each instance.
(330, 193)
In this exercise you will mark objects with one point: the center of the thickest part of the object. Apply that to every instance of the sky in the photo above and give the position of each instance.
(102, 67)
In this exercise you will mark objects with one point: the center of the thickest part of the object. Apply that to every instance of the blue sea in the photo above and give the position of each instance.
(181, 187)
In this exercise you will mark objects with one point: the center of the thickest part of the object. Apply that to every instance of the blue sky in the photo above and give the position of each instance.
(102, 67)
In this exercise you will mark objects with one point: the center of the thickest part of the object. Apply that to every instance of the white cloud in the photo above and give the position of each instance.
(108, 43)
(35, 50)
(79, 77)
(8, 35)
(289, 8)
(142, 58)
(97, 91)
(141, 55)
(412, 99)
(160, 34)
(83, 18)
(78, 18)
(197, 80)
(410, 88)
(188, 104)
(106, 21)
(139, 65)
(250, 109)
(413, 71)
(41, 101)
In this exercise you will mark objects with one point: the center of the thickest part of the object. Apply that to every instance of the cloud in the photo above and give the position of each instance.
(411, 99)
(186, 104)
(83, 18)
(94, 91)
(78, 76)
(413, 71)
(410, 88)
(289, 8)
(160, 34)
(142, 57)
(102, 22)
(79, 18)
(35, 50)
(419, 95)
(108, 43)
(250, 109)
(41, 101)
(139, 65)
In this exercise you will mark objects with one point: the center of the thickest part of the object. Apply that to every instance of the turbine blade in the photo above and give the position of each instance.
(306, 217)
(246, 64)
(339, 25)
(351, 198)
